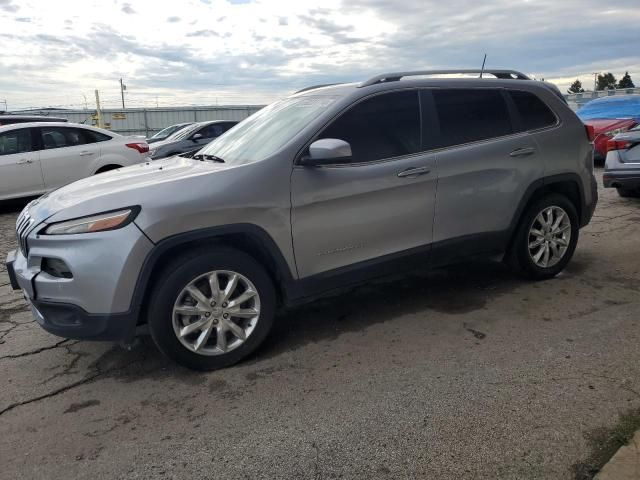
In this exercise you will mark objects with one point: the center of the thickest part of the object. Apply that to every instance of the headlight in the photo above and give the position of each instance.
(94, 223)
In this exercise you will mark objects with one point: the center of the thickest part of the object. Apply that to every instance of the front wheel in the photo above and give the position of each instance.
(546, 238)
(211, 309)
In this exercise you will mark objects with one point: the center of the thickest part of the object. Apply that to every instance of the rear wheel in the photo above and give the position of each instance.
(212, 309)
(546, 237)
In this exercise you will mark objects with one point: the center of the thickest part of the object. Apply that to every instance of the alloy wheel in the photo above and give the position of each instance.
(549, 236)
(216, 312)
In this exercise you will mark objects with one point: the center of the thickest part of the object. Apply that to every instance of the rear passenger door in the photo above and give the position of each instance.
(484, 168)
(380, 203)
(67, 155)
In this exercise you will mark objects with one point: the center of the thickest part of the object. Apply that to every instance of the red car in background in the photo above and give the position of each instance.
(609, 116)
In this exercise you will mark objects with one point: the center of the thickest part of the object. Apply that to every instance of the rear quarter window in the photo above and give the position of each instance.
(534, 113)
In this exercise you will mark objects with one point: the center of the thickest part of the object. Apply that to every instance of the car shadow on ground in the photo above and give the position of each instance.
(14, 205)
(458, 289)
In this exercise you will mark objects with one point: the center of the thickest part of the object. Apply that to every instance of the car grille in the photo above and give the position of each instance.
(23, 226)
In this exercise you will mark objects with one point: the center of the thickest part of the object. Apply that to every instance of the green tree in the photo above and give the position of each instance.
(576, 87)
(606, 81)
(626, 82)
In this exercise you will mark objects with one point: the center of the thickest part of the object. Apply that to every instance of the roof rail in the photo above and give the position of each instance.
(317, 86)
(394, 77)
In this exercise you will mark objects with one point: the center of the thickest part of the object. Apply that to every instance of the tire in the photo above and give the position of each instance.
(170, 293)
(522, 259)
(628, 193)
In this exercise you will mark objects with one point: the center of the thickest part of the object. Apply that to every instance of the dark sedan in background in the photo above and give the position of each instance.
(190, 139)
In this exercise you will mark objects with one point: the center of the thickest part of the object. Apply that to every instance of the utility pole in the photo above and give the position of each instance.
(86, 105)
(98, 111)
(6, 109)
(123, 87)
(595, 81)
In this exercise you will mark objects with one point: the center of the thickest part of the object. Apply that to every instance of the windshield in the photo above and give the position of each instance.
(184, 133)
(268, 130)
(168, 131)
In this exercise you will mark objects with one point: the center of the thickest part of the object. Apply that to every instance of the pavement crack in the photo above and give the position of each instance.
(35, 352)
(95, 375)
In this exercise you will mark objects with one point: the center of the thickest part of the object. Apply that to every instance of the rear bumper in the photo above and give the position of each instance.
(628, 178)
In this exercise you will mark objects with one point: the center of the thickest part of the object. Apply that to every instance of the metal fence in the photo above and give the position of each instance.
(147, 121)
(576, 100)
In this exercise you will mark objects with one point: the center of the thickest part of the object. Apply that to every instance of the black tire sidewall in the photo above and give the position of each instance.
(182, 271)
(525, 262)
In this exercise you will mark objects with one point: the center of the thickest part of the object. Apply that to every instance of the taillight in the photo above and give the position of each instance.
(617, 145)
(140, 147)
(591, 133)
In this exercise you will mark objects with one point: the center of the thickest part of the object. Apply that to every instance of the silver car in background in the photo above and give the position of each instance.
(622, 166)
(321, 190)
(190, 138)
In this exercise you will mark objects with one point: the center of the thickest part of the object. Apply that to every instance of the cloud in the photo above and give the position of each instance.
(9, 6)
(128, 9)
(264, 49)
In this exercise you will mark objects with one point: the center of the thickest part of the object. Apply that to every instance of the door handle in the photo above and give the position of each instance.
(522, 152)
(85, 153)
(24, 160)
(414, 172)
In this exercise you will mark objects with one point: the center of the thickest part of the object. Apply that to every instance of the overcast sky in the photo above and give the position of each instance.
(56, 53)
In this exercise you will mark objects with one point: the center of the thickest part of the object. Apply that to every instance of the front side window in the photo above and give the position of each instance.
(470, 115)
(533, 111)
(268, 130)
(212, 131)
(383, 126)
(15, 141)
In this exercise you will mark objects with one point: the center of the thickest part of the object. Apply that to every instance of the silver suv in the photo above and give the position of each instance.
(326, 188)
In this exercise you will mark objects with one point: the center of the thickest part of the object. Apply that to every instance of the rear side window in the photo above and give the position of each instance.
(15, 141)
(533, 111)
(383, 126)
(95, 137)
(470, 115)
(61, 137)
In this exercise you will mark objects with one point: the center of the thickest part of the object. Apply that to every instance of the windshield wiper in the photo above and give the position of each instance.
(204, 156)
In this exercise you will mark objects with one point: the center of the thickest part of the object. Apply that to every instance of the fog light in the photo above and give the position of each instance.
(56, 268)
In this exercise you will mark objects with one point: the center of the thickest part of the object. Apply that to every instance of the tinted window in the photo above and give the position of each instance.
(383, 126)
(467, 115)
(94, 137)
(60, 137)
(15, 141)
(533, 112)
(212, 131)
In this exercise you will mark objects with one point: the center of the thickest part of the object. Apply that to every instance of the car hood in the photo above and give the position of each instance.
(121, 188)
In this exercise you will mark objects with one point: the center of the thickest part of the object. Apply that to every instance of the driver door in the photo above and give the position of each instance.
(378, 204)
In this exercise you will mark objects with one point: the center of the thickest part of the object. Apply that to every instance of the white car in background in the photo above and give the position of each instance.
(39, 157)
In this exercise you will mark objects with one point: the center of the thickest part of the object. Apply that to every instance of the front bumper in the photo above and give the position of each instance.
(96, 303)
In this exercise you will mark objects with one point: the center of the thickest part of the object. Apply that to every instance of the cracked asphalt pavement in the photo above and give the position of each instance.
(452, 374)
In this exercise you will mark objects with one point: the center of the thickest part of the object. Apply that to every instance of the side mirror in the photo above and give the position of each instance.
(197, 136)
(327, 150)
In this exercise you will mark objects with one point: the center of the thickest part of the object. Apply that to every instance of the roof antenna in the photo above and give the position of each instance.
(483, 60)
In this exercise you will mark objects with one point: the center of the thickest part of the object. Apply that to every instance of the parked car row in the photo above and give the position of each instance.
(39, 154)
